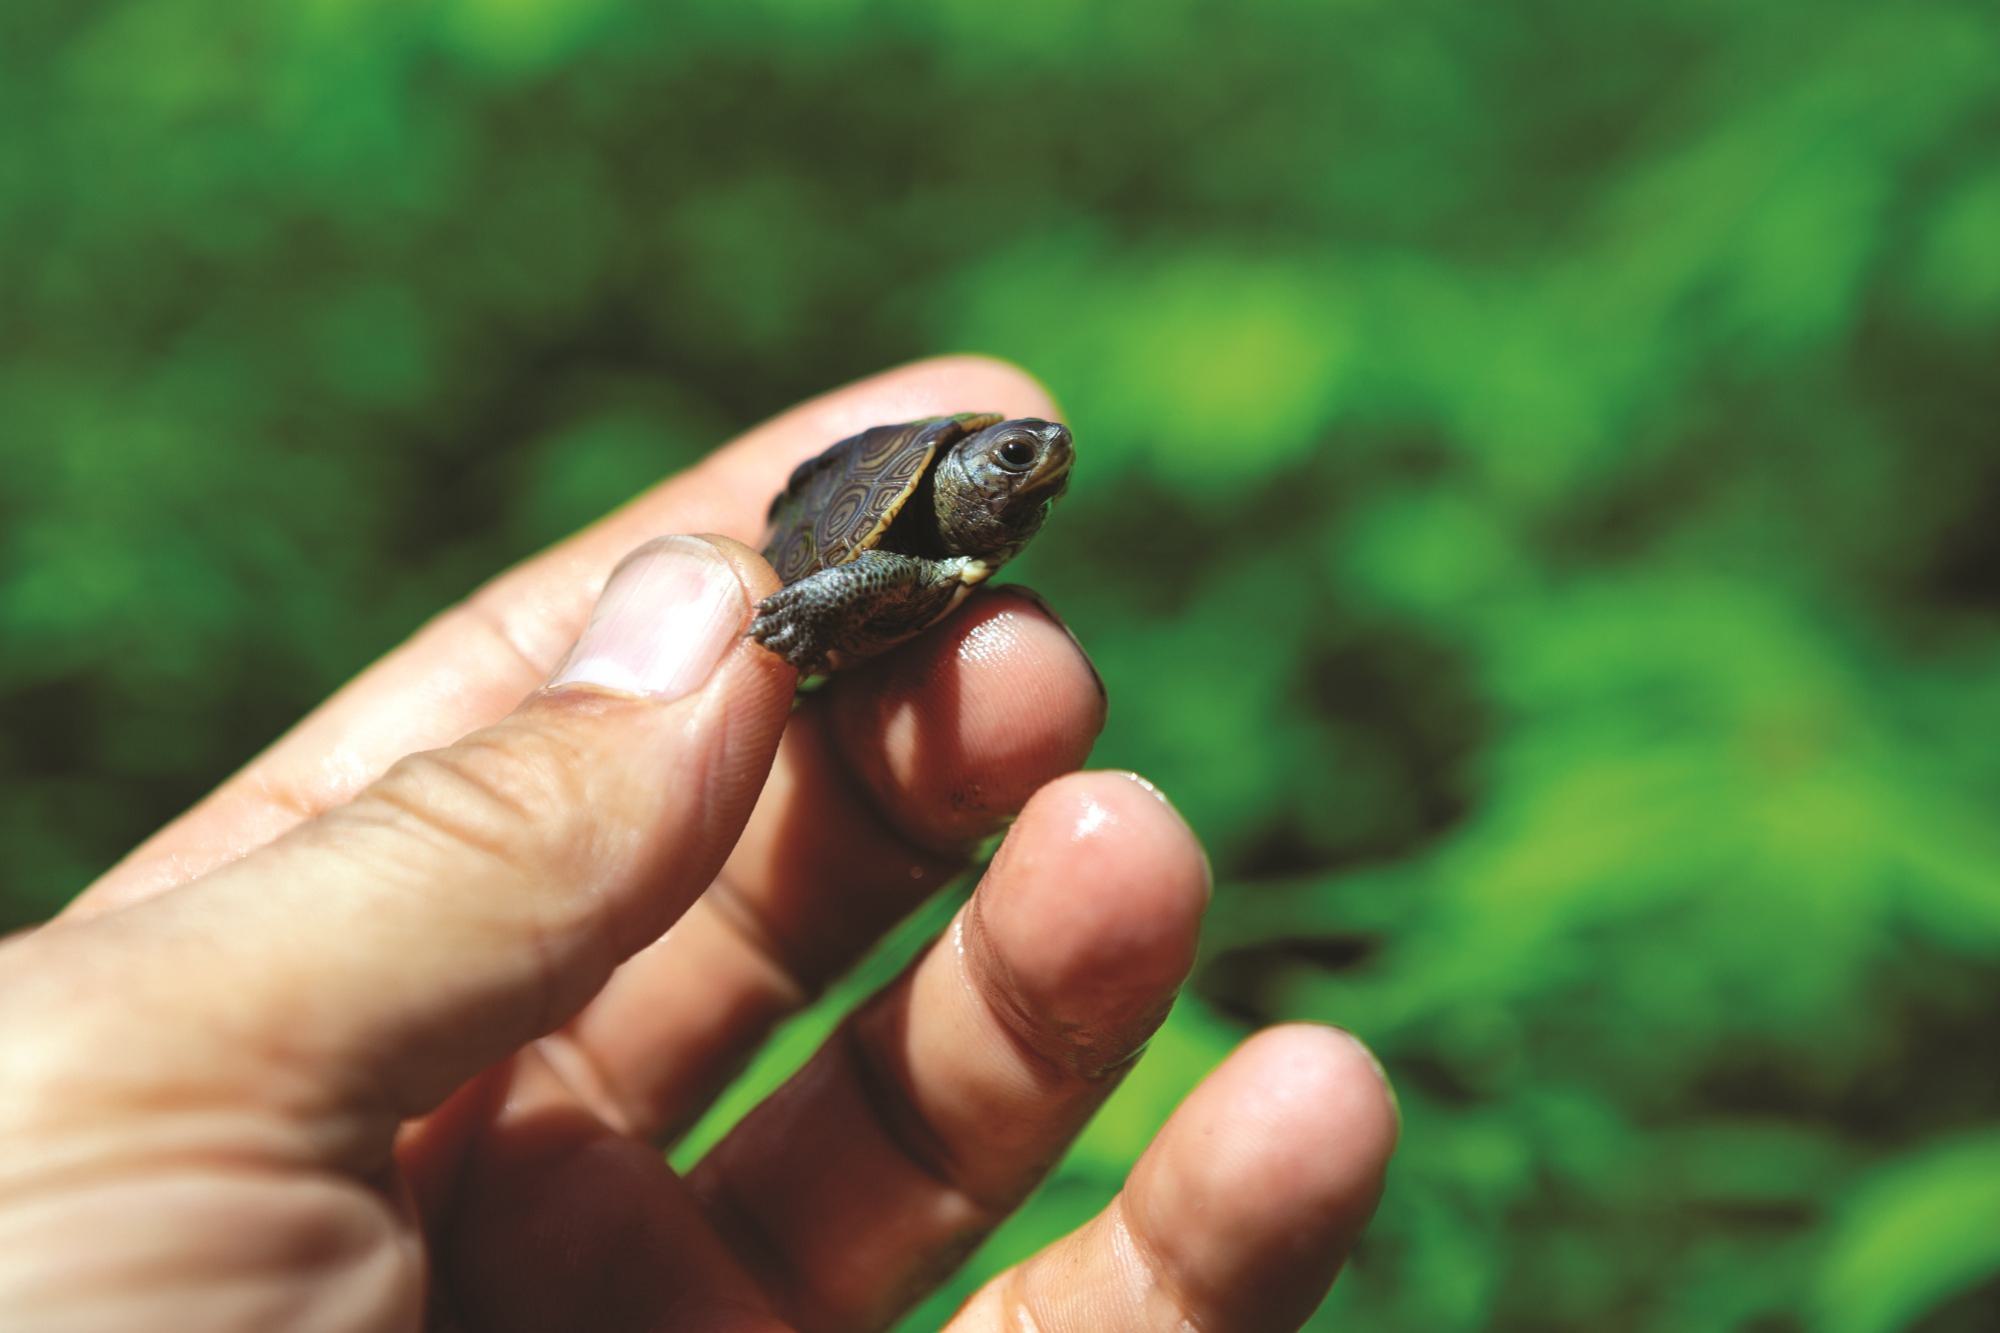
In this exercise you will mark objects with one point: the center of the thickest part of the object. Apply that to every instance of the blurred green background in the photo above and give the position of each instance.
(1539, 516)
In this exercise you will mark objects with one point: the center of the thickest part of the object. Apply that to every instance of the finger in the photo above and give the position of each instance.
(1238, 1216)
(881, 782)
(928, 1117)
(472, 664)
(561, 1224)
(476, 896)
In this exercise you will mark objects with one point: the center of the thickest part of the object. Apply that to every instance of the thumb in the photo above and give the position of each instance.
(477, 896)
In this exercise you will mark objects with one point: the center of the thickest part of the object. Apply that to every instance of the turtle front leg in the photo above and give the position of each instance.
(854, 610)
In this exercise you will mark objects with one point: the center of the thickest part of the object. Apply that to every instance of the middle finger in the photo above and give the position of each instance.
(884, 782)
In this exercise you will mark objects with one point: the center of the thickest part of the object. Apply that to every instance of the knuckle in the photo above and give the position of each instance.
(514, 795)
(508, 811)
(67, 1002)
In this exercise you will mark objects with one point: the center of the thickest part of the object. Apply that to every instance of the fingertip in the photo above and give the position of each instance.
(981, 380)
(759, 581)
(1034, 604)
(1172, 827)
(1265, 1177)
(1307, 1081)
(954, 731)
(934, 386)
(1112, 828)
(672, 611)
(751, 568)
(1088, 921)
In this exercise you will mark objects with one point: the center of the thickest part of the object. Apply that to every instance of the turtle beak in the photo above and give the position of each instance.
(1060, 455)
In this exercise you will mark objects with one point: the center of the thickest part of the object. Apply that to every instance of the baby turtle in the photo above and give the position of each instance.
(889, 530)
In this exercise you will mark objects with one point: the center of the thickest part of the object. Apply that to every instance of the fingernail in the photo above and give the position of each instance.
(667, 616)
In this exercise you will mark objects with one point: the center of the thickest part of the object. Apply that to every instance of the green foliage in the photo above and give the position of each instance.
(1536, 516)
(1918, 1231)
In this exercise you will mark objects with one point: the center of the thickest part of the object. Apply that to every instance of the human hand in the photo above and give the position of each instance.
(374, 1042)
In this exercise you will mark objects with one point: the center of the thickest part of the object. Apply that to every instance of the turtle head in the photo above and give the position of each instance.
(995, 487)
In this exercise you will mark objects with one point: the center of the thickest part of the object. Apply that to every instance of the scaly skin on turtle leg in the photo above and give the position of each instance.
(877, 599)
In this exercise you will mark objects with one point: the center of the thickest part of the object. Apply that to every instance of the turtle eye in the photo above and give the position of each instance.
(1017, 455)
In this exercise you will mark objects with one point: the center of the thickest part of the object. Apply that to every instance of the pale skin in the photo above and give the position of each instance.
(373, 1042)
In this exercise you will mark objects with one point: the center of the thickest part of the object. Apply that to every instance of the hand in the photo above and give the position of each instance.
(367, 1041)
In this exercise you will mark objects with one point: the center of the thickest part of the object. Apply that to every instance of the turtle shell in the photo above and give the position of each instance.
(839, 504)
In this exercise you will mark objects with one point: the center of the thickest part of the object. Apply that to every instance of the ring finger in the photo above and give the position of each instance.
(935, 1109)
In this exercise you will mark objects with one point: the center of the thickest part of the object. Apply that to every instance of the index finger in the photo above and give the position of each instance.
(474, 662)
